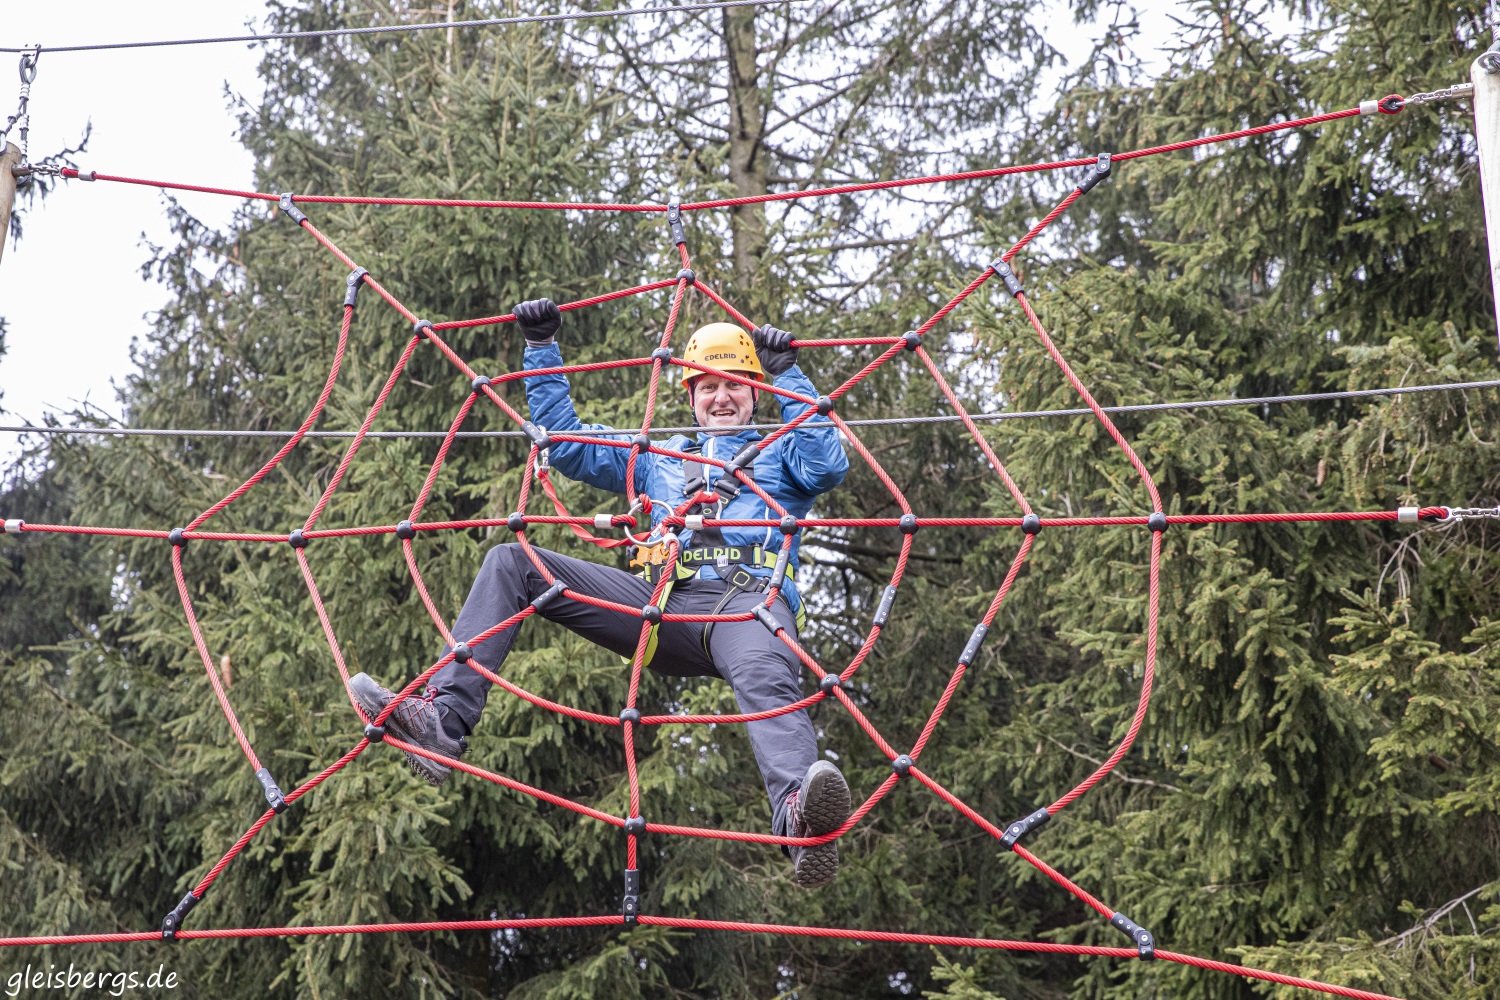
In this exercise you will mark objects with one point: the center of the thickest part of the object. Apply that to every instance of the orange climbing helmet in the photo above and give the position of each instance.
(723, 346)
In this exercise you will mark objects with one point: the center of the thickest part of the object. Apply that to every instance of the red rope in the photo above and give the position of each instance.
(962, 175)
(890, 347)
(208, 662)
(312, 418)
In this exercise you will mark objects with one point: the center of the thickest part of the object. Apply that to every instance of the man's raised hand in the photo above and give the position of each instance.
(774, 348)
(539, 320)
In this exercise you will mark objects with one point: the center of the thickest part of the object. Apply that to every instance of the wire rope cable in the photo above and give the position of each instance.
(385, 29)
(946, 418)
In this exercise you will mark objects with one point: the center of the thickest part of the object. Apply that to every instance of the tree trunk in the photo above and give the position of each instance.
(747, 162)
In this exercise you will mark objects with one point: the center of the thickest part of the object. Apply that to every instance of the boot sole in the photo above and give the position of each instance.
(429, 770)
(827, 805)
(828, 802)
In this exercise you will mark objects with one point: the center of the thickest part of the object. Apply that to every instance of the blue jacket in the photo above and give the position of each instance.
(794, 469)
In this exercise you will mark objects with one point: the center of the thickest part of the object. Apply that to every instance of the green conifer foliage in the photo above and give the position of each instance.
(1314, 789)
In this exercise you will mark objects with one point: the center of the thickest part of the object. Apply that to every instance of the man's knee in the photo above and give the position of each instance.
(507, 557)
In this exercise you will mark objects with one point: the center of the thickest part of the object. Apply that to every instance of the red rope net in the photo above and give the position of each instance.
(905, 764)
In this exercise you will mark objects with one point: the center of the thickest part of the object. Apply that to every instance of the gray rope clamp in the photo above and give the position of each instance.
(289, 206)
(674, 221)
(12, 526)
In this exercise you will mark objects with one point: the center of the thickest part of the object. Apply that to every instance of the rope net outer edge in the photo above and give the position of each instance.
(839, 189)
(838, 691)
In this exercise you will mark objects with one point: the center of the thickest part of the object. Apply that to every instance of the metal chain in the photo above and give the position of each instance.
(21, 120)
(1463, 513)
(1446, 94)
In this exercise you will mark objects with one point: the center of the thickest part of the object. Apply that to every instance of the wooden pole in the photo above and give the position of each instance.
(1487, 131)
(8, 159)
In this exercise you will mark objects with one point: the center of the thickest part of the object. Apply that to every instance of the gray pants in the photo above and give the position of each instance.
(762, 670)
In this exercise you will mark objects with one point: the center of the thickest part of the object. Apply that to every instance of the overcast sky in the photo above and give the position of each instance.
(71, 290)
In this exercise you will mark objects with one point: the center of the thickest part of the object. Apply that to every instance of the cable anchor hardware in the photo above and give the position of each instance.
(1455, 92)
(1462, 513)
(22, 117)
(1489, 60)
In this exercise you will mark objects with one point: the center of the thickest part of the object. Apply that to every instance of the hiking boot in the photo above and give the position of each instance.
(820, 806)
(416, 720)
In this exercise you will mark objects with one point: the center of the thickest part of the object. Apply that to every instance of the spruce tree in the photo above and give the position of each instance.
(1313, 791)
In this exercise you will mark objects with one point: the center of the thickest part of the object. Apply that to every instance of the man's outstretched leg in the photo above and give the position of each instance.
(442, 717)
(809, 797)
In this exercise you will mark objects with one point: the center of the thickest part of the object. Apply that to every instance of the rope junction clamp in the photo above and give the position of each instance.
(971, 649)
(1012, 283)
(630, 905)
(290, 208)
(274, 798)
(1022, 827)
(674, 221)
(883, 611)
(551, 594)
(352, 284)
(1100, 172)
(172, 922)
(1145, 941)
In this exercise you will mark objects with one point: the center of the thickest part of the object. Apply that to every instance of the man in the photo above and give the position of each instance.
(722, 572)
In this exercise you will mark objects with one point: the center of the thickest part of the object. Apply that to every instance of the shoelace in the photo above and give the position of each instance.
(796, 824)
(412, 707)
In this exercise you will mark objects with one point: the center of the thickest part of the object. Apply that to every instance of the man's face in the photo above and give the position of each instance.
(718, 402)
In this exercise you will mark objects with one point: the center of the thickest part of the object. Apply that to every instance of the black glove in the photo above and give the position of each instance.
(774, 348)
(539, 320)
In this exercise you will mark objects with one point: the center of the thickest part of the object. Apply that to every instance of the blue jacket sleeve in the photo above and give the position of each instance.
(813, 456)
(549, 399)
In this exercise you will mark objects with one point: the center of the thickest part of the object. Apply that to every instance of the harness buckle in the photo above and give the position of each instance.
(741, 578)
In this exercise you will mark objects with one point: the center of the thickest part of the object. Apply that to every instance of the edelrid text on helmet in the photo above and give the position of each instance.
(723, 346)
